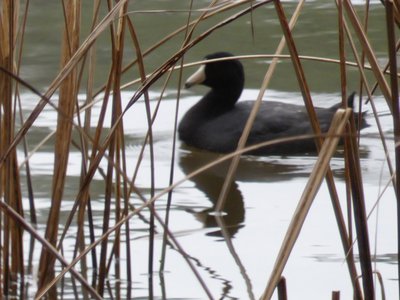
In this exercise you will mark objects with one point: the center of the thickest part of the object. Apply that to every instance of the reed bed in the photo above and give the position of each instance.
(100, 248)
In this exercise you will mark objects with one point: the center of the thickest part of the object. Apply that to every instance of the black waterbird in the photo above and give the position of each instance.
(216, 122)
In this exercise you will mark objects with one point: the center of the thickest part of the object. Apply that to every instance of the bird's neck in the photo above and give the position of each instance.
(215, 103)
(219, 101)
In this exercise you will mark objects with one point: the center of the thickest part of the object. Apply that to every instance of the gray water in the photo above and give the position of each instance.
(266, 190)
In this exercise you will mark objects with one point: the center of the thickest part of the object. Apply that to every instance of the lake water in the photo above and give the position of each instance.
(266, 190)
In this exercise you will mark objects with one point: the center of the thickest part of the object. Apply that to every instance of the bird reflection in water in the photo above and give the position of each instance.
(251, 169)
(210, 182)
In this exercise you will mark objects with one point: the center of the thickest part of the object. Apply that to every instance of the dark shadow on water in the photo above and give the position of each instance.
(210, 183)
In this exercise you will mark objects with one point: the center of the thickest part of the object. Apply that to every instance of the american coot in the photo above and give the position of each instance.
(216, 122)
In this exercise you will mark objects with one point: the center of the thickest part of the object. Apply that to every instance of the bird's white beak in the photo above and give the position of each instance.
(196, 78)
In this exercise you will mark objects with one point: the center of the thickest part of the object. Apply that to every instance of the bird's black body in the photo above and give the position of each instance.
(216, 122)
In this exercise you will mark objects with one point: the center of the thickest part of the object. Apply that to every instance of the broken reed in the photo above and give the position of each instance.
(77, 57)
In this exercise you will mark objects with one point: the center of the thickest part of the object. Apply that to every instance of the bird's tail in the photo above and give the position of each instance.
(359, 116)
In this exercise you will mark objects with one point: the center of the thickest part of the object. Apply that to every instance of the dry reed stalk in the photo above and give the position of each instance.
(154, 77)
(342, 54)
(20, 41)
(121, 157)
(165, 67)
(99, 153)
(123, 220)
(206, 15)
(320, 169)
(382, 287)
(117, 38)
(85, 144)
(282, 289)
(228, 240)
(365, 23)
(149, 138)
(163, 255)
(360, 219)
(390, 18)
(67, 99)
(10, 189)
(30, 195)
(65, 71)
(335, 295)
(85, 147)
(305, 91)
(316, 129)
(116, 158)
(34, 233)
(343, 85)
(249, 124)
(365, 83)
(122, 206)
(343, 81)
(396, 11)
(84, 140)
(189, 32)
(146, 203)
(354, 19)
(85, 180)
(258, 56)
